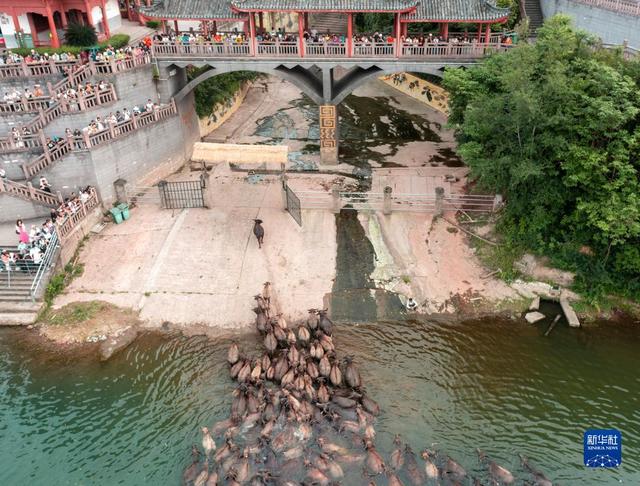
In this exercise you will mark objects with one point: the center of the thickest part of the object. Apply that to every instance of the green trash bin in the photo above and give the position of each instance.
(117, 215)
(124, 207)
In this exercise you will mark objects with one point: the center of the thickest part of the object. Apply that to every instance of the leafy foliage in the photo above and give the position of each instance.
(217, 89)
(116, 41)
(373, 22)
(152, 24)
(80, 35)
(554, 126)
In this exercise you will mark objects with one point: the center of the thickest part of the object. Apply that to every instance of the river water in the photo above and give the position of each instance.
(452, 386)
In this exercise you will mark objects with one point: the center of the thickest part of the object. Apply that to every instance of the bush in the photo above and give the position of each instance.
(80, 35)
(117, 41)
(218, 89)
(153, 24)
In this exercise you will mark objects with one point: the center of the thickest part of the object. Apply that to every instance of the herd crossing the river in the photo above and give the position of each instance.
(300, 415)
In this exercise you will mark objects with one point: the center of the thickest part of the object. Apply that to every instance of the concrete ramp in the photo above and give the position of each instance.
(214, 153)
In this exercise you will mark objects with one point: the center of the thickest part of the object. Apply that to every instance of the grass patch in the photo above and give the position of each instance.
(75, 313)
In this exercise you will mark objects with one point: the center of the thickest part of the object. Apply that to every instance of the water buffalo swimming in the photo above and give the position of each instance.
(300, 415)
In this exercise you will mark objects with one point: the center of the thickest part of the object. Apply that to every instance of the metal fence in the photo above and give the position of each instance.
(48, 260)
(181, 194)
(293, 205)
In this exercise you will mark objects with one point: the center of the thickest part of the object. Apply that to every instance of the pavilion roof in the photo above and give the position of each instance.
(327, 5)
(461, 10)
(191, 9)
(416, 10)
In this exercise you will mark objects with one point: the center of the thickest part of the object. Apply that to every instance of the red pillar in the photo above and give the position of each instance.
(487, 34)
(55, 42)
(163, 23)
(405, 28)
(397, 31)
(300, 34)
(261, 21)
(479, 33)
(215, 27)
(175, 26)
(350, 34)
(444, 30)
(105, 21)
(306, 21)
(252, 33)
(63, 18)
(148, 3)
(16, 20)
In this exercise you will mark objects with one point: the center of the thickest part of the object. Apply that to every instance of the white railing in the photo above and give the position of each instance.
(277, 48)
(325, 49)
(368, 49)
(453, 50)
(379, 201)
(48, 259)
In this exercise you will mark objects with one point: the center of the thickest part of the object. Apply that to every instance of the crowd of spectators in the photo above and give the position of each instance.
(313, 36)
(32, 244)
(34, 57)
(71, 94)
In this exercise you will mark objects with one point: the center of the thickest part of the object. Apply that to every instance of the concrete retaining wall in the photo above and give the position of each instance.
(8, 121)
(12, 163)
(70, 243)
(134, 157)
(133, 86)
(611, 27)
(15, 208)
(239, 154)
(72, 172)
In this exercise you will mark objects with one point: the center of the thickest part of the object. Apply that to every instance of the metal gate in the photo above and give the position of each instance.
(293, 205)
(181, 194)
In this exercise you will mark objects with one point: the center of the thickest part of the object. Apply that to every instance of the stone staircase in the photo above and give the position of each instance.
(334, 23)
(532, 9)
(16, 307)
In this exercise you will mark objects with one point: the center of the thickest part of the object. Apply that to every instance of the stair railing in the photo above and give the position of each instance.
(47, 261)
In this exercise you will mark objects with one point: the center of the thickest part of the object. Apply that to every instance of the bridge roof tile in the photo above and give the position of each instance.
(463, 10)
(327, 5)
(191, 9)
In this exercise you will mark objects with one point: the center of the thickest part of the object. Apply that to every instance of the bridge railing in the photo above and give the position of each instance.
(277, 48)
(451, 50)
(330, 49)
(368, 49)
(325, 49)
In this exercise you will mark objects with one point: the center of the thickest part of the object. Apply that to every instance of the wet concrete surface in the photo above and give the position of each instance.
(354, 295)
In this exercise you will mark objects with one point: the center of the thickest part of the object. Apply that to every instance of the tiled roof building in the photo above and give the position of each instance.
(410, 10)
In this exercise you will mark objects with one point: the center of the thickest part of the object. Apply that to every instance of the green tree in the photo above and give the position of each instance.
(554, 126)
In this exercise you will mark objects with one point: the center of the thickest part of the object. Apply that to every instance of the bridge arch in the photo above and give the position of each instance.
(298, 76)
(358, 76)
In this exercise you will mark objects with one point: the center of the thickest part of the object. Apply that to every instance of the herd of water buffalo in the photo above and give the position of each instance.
(301, 416)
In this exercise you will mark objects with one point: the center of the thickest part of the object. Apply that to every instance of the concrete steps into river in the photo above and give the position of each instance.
(16, 307)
